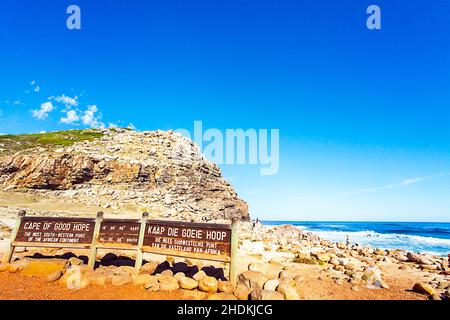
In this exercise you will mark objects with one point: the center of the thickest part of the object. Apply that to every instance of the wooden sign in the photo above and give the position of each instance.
(119, 232)
(195, 240)
(58, 232)
(215, 242)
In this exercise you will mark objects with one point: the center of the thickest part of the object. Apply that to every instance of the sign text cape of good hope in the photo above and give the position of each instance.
(58, 231)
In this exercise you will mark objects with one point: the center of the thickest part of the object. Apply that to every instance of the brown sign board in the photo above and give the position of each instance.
(195, 240)
(119, 232)
(58, 232)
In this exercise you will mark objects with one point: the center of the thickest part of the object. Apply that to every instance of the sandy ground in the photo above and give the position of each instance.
(17, 287)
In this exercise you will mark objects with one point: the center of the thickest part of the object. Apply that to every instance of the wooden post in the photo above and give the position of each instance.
(93, 254)
(139, 254)
(10, 251)
(234, 249)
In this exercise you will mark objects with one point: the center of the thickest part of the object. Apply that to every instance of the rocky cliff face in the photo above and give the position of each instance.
(157, 171)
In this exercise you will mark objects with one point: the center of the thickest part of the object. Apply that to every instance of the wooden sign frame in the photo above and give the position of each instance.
(229, 257)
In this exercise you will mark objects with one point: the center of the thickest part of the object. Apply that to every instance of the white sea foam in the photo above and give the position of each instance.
(436, 246)
(431, 245)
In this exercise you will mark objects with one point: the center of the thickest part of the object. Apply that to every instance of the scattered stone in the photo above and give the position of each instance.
(187, 283)
(74, 279)
(225, 286)
(141, 279)
(435, 297)
(252, 279)
(288, 292)
(423, 288)
(74, 261)
(120, 279)
(222, 296)
(17, 266)
(199, 275)
(271, 284)
(148, 268)
(168, 283)
(98, 279)
(270, 295)
(167, 273)
(208, 284)
(4, 267)
(55, 275)
(179, 275)
(152, 285)
(242, 292)
(258, 267)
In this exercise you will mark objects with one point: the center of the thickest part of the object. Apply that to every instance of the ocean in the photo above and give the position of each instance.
(424, 237)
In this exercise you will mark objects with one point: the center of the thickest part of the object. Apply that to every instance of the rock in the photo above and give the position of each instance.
(167, 273)
(423, 288)
(17, 266)
(242, 292)
(288, 292)
(152, 285)
(98, 279)
(55, 275)
(259, 267)
(43, 267)
(179, 275)
(435, 297)
(199, 275)
(187, 283)
(168, 283)
(4, 267)
(74, 261)
(252, 279)
(148, 268)
(222, 296)
(225, 286)
(74, 279)
(269, 295)
(271, 284)
(208, 284)
(321, 256)
(120, 279)
(141, 279)
(125, 270)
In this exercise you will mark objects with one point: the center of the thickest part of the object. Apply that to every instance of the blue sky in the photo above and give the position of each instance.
(363, 114)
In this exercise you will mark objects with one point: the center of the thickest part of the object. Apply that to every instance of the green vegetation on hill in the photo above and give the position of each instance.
(13, 143)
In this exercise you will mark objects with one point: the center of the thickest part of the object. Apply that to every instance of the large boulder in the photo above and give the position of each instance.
(43, 267)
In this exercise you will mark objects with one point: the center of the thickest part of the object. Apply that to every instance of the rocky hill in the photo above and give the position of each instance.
(156, 171)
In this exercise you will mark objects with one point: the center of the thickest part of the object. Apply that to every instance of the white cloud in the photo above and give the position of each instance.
(36, 87)
(43, 111)
(67, 101)
(17, 103)
(70, 118)
(403, 183)
(91, 118)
